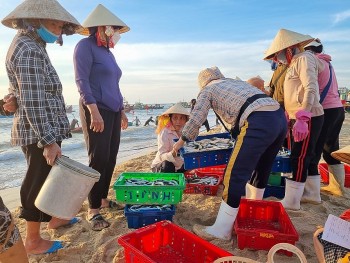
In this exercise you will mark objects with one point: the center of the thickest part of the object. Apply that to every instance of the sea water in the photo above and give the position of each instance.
(135, 141)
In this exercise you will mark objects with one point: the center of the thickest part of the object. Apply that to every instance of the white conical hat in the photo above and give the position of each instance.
(286, 38)
(41, 9)
(342, 155)
(176, 109)
(101, 16)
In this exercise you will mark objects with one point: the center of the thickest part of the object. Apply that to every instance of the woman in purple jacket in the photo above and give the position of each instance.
(97, 76)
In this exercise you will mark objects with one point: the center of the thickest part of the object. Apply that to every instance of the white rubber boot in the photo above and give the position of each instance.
(252, 192)
(294, 191)
(336, 181)
(312, 190)
(222, 227)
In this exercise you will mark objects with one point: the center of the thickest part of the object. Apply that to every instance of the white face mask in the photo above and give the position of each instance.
(115, 37)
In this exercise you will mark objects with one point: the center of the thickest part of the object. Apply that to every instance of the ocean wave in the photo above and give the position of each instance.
(11, 154)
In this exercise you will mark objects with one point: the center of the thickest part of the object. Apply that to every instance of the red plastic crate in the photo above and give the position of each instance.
(218, 170)
(323, 168)
(263, 224)
(168, 243)
(202, 188)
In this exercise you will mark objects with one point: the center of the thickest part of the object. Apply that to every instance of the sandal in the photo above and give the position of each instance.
(114, 205)
(98, 222)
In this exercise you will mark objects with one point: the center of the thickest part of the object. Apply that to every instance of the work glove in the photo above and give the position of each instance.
(301, 127)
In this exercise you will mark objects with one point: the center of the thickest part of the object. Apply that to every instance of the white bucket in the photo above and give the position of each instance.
(66, 187)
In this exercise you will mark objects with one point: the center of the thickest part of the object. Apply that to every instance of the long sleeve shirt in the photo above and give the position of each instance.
(332, 99)
(41, 116)
(225, 97)
(301, 90)
(165, 146)
(97, 75)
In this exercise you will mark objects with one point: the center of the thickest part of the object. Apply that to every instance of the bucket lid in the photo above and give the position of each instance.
(77, 167)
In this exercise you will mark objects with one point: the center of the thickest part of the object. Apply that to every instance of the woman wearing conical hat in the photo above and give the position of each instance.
(40, 123)
(169, 127)
(302, 103)
(102, 115)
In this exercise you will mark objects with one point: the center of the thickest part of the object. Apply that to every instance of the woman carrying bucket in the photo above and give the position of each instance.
(102, 116)
(40, 123)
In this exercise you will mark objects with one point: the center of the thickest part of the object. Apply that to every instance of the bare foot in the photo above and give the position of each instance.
(39, 246)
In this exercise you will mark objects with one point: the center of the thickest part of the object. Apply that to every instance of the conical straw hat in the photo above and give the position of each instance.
(342, 155)
(101, 16)
(41, 9)
(286, 38)
(176, 109)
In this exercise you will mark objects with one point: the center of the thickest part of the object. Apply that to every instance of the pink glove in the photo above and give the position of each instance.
(301, 127)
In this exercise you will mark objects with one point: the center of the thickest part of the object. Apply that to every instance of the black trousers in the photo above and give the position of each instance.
(303, 152)
(328, 141)
(102, 148)
(167, 167)
(36, 174)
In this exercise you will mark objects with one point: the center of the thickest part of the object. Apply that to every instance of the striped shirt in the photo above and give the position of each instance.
(225, 97)
(41, 116)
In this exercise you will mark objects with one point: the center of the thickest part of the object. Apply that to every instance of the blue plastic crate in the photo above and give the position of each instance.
(282, 164)
(147, 217)
(193, 160)
(275, 190)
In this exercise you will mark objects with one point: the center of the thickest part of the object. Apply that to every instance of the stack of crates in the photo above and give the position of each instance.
(276, 184)
(148, 195)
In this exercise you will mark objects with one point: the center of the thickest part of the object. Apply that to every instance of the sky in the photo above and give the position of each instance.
(170, 41)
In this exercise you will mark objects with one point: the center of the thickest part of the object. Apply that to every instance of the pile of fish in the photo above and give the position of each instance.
(284, 152)
(211, 144)
(139, 208)
(139, 182)
(205, 180)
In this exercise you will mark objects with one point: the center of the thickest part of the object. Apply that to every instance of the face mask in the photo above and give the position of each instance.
(115, 37)
(281, 57)
(46, 35)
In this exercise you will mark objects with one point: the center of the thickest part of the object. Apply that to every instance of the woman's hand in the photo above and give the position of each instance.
(124, 124)
(97, 124)
(10, 103)
(51, 152)
(178, 145)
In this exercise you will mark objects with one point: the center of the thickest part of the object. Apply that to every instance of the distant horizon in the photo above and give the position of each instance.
(170, 42)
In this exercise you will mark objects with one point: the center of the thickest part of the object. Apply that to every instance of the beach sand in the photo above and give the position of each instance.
(90, 246)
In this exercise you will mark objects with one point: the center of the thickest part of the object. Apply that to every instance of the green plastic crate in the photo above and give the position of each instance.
(146, 194)
(275, 179)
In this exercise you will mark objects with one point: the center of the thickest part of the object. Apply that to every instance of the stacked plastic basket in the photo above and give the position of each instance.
(150, 197)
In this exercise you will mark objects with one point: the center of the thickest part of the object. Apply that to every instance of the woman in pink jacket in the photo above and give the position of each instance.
(328, 140)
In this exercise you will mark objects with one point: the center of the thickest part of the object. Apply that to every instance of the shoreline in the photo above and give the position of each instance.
(11, 196)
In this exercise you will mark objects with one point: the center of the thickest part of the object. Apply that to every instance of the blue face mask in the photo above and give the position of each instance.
(46, 35)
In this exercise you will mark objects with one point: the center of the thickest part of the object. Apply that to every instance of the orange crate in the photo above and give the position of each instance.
(165, 242)
(263, 224)
(192, 188)
(323, 168)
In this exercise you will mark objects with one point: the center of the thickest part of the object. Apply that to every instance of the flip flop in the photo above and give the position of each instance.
(70, 223)
(114, 205)
(56, 245)
(97, 222)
